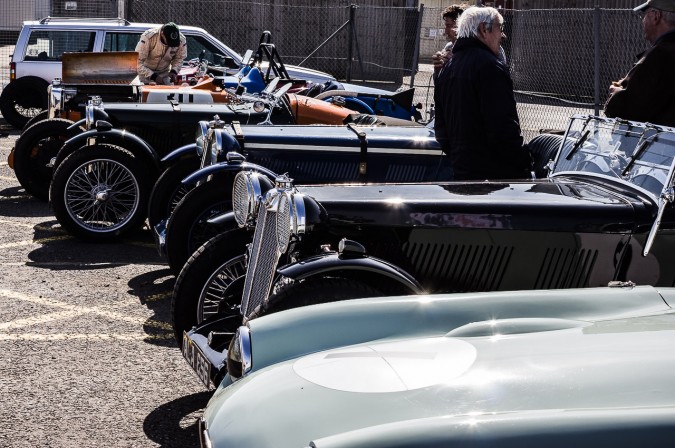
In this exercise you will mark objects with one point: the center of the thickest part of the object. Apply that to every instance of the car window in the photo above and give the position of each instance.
(49, 45)
(195, 45)
(121, 41)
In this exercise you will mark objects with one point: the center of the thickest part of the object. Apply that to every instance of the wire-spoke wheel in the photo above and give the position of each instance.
(211, 282)
(99, 192)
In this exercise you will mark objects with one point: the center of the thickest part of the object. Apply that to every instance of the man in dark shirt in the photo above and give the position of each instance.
(476, 118)
(647, 93)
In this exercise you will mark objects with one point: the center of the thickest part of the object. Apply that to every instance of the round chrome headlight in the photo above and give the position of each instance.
(239, 359)
(258, 106)
(89, 116)
(245, 193)
(201, 137)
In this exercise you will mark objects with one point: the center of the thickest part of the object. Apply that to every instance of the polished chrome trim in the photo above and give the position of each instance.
(245, 205)
(89, 116)
(55, 100)
(356, 149)
(299, 224)
(284, 221)
(245, 352)
(204, 439)
(202, 137)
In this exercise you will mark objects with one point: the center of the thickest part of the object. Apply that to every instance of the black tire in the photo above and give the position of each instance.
(44, 115)
(105, 182)
(168, 190)
(543, 148)
(315, 290)
(33, 151)
(186, 228)
(211, 282)
(23, 99)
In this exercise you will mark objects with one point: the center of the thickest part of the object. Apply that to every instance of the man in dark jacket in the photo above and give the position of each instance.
(647, 93)
(476, 118)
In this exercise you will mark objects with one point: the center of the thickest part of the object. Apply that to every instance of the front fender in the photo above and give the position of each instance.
(132, 143)
(189, 149)
(350, 266)
(225, 167)
(225, 219)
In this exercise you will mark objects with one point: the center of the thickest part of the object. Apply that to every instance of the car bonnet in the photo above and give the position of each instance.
(555, 204)
(551, 366)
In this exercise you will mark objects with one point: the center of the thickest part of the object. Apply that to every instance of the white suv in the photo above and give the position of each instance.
(36, 60)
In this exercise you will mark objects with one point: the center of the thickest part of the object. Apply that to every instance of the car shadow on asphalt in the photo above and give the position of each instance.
(16, 203)
(175, 424)
(153, 290)
(61, 251)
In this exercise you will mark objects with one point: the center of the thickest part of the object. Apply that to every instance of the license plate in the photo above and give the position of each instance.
(194, 356)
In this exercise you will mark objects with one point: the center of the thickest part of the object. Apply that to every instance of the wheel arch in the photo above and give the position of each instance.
(189, 150)
(362, 268)
(132, 143)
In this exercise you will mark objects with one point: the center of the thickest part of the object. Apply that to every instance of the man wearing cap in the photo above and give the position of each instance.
(647, 93)
(161, 52)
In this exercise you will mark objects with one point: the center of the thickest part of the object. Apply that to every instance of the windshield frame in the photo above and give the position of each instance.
(618, 150)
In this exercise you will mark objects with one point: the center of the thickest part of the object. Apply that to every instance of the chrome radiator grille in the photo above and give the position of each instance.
(262, 263)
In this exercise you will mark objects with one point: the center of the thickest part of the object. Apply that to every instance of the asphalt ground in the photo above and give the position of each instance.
(87, 357)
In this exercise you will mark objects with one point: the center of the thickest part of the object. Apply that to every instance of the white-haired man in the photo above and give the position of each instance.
(476, 118)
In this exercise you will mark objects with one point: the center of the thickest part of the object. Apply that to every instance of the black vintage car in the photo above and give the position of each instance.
(603, 214)
(372, 149)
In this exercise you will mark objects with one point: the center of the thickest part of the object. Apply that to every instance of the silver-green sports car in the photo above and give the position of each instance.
(575, 367)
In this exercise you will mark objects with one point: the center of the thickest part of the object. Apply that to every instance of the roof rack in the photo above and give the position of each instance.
(118, 20)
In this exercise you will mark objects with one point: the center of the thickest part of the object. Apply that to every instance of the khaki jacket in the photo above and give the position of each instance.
(155, 57)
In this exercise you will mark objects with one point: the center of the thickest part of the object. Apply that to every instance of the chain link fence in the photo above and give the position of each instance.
(561, 60)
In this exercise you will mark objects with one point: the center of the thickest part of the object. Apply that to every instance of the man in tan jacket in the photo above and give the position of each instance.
(161, 52)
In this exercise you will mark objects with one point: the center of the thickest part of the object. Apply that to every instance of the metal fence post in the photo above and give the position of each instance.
(596, 57)
(416, 51)
(121, 12)
(352, 30)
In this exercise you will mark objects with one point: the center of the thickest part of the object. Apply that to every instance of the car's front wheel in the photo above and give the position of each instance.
(211, 282)
(34, 150)
(100, 192)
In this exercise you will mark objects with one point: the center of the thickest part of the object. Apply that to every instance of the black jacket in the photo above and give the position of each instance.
(649, 87)
(476, 119)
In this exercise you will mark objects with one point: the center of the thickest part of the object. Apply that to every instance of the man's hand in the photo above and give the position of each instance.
(615, 87)
(172, 76)
(439, 59)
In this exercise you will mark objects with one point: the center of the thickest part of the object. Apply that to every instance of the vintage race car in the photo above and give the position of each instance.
(368, 149)
(112, 76)
(576, 367)
(603, 214)
(169, 121)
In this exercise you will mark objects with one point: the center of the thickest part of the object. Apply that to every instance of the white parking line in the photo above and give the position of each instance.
(19, 323)
(77, 310)
(41, 241)
(87, 337)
